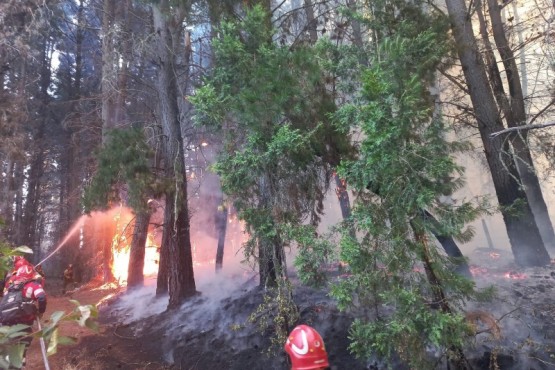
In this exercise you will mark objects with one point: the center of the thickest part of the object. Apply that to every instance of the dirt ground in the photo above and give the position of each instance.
(209, 331)
(109, 348)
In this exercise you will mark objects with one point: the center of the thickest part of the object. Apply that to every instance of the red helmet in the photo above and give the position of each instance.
(19, 261)
(306, 349)
(24, 273)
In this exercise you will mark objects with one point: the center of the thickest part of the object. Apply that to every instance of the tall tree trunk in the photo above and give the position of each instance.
(163, 263)
(36, 169)
(6, 197)
(515, 115)
(358, 39)
(526, 242)
(109, 69)
(71, 172)
(181, 282)
(221, 225)
(19, 169)
(124, 11)
(449, 246)
(271, 263)
(19, 180)
(30, 212)
(135, 276)
(271, 260)
(311, 22)
(109, 80)
(114, 78)
(523, 71)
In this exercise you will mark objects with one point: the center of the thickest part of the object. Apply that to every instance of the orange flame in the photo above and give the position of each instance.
(121, 259)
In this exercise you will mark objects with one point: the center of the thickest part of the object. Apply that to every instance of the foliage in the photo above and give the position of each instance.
(405, 158)
(315, 253)
(273, 108)
(123, 160)
(11, 350)
(7, 253)
(271, 105)
(277, 315)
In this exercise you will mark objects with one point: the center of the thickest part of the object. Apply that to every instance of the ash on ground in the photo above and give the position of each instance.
(515, 330)
(523, 333)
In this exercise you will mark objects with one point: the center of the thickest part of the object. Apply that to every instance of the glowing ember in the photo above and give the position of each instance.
(494, 255)
(515, 275)
(485, 272)
(476, 270)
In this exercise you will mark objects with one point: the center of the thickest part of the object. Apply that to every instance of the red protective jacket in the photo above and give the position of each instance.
(34, 291)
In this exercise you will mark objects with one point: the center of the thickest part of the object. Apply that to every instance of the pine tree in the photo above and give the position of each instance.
(393, 267)
(275, 163)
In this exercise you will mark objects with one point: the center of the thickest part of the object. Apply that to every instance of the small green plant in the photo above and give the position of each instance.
(12, 350)
(278, 313)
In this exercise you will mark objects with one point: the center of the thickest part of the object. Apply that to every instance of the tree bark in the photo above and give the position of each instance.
(7, 193)
(515, 115)
(71, 171)
(163, 263)
(526, 243)
(108, 110)
(36, 166)
(135, 276)
(19, 180)
(311, 22)
(450, 247)
(357, 28)
(221, 225)
(181, 282)
(109, 69)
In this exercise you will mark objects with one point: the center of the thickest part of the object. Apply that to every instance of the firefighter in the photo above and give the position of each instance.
(67, 277)
(24, 302)
(306, 349)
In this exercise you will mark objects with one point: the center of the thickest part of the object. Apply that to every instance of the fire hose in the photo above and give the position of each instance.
(43, 348)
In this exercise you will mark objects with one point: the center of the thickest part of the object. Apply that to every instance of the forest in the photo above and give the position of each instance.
(345, 147)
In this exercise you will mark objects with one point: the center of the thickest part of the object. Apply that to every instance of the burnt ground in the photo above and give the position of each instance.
(211, 331)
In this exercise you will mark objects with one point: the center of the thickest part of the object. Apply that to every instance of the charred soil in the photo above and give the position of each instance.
(211, 331)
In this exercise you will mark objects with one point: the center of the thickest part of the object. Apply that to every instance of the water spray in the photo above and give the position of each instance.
(74, 229)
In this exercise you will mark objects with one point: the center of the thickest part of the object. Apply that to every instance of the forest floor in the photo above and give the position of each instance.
(211, 331)
(108, 348)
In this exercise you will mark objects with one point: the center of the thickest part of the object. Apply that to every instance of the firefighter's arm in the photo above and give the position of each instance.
(40, 296)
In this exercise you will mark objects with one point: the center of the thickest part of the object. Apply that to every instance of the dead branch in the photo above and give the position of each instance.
(521, 128)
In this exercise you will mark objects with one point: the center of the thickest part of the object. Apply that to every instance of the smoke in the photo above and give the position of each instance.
(139, 304)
